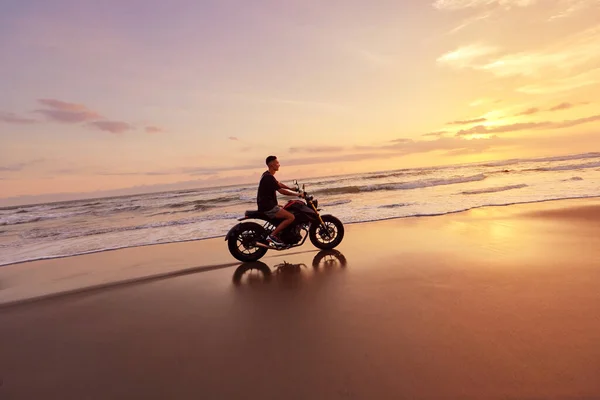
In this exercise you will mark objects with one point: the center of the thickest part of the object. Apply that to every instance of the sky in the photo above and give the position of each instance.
(106, 97)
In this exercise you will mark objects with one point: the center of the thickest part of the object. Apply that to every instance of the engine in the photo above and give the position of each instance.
(292, 235)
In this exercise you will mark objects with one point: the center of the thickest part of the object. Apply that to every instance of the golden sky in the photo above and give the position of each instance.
(100, 96)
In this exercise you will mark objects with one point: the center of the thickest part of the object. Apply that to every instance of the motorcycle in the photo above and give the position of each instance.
(247, 241)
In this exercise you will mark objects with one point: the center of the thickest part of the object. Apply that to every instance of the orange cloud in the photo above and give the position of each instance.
(561, 106)
(466, 56)
(112, 126)
(437, 133)
(467, 121)
(529, 111)
(482, 129)
(62, 111)
(154, 129)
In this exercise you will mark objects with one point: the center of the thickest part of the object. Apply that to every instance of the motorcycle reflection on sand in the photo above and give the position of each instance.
(258, 271)
(247, 241)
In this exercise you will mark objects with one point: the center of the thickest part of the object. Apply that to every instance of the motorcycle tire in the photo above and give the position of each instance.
(237, 240)
(318, 236)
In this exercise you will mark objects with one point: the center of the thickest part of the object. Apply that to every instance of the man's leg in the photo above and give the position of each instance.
(287, 217)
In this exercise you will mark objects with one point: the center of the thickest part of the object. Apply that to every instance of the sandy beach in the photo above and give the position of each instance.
(493, 303)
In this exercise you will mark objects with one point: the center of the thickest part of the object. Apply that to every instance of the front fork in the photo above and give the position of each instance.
(318, 215)
(320, 219)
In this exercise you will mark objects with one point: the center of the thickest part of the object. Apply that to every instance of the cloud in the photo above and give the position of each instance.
(574, 51)
(19, 166)
(465, 56)
(74, 113)
(11, 118)
(575, 122)
(482, 129)
(561, 106)
(462, 4)
(467, 121)
(558, 85)
(438, 133)
(469, 22)
(112, 126)
(233, 138)
(401, 140)
(453, 145)
(560, 66)
(529, 111)
(316, 149)
(483, 101)
(154, 129)
(573, 6)
(62, 111)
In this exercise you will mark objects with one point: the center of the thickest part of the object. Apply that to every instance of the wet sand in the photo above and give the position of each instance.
(494, 303)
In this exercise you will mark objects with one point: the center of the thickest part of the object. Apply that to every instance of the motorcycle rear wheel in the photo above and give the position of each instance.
(329, 236)
(242, 244)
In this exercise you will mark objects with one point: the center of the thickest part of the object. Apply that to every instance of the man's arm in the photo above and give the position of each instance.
(284, 186)
(289, 192)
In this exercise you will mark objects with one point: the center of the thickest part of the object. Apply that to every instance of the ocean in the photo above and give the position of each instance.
(43, 231)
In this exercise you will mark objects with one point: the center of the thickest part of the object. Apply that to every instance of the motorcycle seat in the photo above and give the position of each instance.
(256, 214)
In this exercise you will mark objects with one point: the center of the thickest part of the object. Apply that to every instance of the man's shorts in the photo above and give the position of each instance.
(271, 213)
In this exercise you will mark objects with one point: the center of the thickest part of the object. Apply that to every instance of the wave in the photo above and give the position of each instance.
(336, 203)
(394, 205)
(40, 234)
(495, 189)
(575, 178)
(197, 208)
(400, 173)
(208, 203)
(401, 186)
(566, 167)
(125, 208)
(19, 219)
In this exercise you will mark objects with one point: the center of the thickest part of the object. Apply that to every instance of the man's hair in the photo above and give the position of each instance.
(269, 159)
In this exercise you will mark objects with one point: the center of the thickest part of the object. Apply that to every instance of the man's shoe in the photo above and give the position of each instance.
(275, 240)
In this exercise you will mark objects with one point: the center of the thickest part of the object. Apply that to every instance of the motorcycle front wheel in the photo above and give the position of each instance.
(242, 244)
(328, 236)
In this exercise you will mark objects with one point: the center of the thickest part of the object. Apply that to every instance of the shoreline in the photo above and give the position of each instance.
(345, 224)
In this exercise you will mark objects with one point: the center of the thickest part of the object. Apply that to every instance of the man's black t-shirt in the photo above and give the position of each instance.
(267, 196)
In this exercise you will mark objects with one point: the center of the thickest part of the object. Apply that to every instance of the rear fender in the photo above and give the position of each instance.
(234, 230)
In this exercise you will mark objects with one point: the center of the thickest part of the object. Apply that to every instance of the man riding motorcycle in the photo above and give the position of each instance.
(266, 199)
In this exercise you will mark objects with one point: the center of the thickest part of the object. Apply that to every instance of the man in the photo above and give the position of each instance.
(267, 199)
